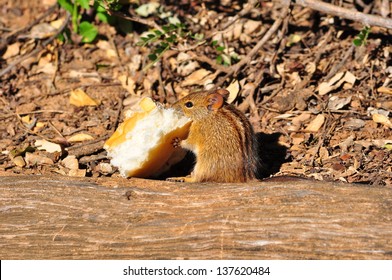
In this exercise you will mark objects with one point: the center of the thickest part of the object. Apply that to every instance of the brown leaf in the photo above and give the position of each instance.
(79, 98)
(33, 159)
(80, 137)
(336, 81)
(45, 145)
(19, 161)
(234, 89)
(315, 124)
(196, 77)
(378, 118)
(77, 173)
(12, 50)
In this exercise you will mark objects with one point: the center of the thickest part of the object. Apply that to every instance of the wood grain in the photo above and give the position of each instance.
(70, 218)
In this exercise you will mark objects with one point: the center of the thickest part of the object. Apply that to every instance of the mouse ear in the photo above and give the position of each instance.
(217, 99)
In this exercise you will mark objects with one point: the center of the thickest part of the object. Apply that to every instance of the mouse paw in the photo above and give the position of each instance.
(176, 142)
(176, 179)
(187, 179)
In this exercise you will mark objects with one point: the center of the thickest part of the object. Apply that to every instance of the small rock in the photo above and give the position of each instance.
(71, 162)
(354, 124)
(104, 168)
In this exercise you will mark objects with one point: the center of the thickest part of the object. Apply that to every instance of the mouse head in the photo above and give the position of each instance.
(200, 104)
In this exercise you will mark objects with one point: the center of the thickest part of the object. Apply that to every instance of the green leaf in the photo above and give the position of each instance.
(388, 146)
(199, 37)
(152, 56)
(66, 5)
(361, 38)
(219, 59)
(164, 45)
(220, 48)
(84, 3)
(61, 37)
(172, 38)
(357, 42)
(214, 43)
(88, 31)
(157, 32)
(98, 7)
(104, 17)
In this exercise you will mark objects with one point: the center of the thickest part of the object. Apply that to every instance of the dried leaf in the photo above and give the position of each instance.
(381, 142)
(128, 83)
(251, 26)
(44, 145)
(346, 144)
(354, 124)
(42, 31)
(104, 168)
(26, 119)
(336, 81)
(33, 159)
(293, 39)
(378, 118)
(310, 68)
(79, 98)
(77, 173)
(80, 137)
(384, 90)
(107, 47)
(47, 68)
(57, 23)
(283, 116)
(337, 103)
(196, 77)
(19, 161)
(147, 9)
(234, 89)
(315, 124)
(12, 50)
(385, 8)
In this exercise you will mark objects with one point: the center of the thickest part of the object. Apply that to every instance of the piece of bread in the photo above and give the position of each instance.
(142, 145)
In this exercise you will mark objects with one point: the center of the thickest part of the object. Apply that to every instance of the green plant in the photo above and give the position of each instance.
(223, 57)
(169, 36)
(361, 38)
(84, 28)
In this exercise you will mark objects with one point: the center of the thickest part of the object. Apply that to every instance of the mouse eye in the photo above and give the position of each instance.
(189, 104)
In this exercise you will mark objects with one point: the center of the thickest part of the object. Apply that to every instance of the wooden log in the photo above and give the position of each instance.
(45, 217)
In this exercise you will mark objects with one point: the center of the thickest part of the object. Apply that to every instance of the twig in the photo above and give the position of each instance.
(212, 63)
(38, 49)
(337, 67)
(29, 130)
(246, 10)
(9, 37)
(76, 87)
(370, 20)
(147, 22)
(235, 68)
(323, 136)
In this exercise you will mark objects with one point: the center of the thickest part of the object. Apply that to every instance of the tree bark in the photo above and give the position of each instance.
(71, 218)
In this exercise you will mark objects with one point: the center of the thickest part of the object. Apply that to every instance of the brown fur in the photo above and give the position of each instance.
(221, 137)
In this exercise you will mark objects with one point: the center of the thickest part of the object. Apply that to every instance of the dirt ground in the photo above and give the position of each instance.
(321, 105)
